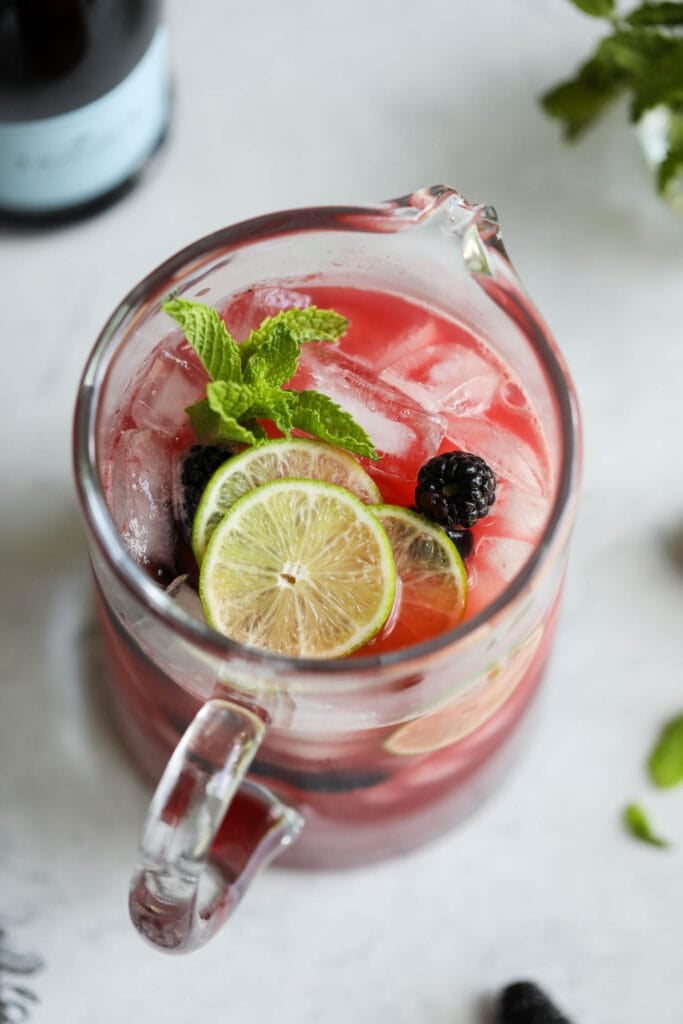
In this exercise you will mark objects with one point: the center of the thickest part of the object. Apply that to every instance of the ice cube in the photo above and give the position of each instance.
(517, 514)
(445, 378)
(494, 563)
(381, 345)
(139, 496)
(501, 556)
(510, 458)
(247, 311)
(186, 597)
(174, 380)
(404, 434)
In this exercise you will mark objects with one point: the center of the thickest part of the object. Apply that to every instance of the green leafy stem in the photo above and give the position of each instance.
(641, 57)
(665, 767)
(247, 380)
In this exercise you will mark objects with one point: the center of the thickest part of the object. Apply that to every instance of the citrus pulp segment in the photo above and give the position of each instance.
(300, 567)
(275, 460)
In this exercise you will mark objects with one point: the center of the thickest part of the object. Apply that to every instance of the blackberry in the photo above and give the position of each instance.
(463, 539)
(199, 464)
(456, 489)
(525, 1003)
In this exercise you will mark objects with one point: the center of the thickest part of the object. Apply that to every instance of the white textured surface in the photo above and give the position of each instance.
(301, 103)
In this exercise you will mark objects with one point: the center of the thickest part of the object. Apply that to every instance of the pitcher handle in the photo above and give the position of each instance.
(190, 873)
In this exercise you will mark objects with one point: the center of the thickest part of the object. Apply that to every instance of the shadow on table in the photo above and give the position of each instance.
(57, 735)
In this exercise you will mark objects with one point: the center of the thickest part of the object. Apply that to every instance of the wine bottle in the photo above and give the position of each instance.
(84, 101)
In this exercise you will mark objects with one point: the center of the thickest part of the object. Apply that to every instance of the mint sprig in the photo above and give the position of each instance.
(665, 763)
(247, 380)
(641, 58)
(636, 821)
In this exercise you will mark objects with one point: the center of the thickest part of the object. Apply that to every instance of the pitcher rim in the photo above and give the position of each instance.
(392, 215)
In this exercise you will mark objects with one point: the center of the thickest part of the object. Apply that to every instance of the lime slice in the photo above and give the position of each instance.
(433, 577)
(461, 717)
(287, 457)
(301, 567)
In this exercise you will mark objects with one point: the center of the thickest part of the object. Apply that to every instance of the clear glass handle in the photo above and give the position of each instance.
(191, 871)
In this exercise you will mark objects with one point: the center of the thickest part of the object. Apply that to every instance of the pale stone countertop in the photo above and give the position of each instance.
(292, 104)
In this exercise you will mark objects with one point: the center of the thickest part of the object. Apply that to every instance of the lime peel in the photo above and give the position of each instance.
(278, 459)
(300, 567)
(427, 562)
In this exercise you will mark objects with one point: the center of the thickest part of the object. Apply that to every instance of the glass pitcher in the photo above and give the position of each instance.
(321, 763)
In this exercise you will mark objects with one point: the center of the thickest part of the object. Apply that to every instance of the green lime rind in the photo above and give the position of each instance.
(279, 459)
(300, 567)
(428, 563)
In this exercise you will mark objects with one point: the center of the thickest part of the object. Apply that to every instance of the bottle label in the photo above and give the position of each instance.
(56, 162)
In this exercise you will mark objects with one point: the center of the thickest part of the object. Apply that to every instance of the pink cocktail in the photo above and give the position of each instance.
(367, 756)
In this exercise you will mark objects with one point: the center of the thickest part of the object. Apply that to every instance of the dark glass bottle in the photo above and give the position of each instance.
(84, 100)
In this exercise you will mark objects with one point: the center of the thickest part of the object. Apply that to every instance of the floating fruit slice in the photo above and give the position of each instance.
(433, 577)
(461, 717)
(300, 567)
(286, 457)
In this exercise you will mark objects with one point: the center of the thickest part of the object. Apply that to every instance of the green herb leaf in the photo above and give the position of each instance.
(581, 100)
(209, 337)
(275, 361)
(636, 51)
(317, 414)
(596, 8)
(247, 379)
(642, 56)
(310, 324)
(652, 63)
(666, 760)
(276, 405)
(229, 399)
(670, 172)
(651, 14)
(230, 402)
(209, 424)
(205, 421)
(636, 821)
(661, 83)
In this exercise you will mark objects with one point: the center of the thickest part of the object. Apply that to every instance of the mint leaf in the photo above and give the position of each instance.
(651, 14)
(205, 421)
(317, 414)
(247, 379)
(228, 399)
(580, 101)
(596, 8)
(211, 425)
(670, 171)
(642, 56)
(208, 336)
(231, 401)
(633, 50)
(651, 63)
(276, 405)
(635, 820)
(661, 78)
(310, 324)
(665, 763)
(275, 361)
